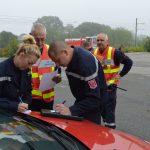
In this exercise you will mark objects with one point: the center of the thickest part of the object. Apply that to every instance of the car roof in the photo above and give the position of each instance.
(96, 136)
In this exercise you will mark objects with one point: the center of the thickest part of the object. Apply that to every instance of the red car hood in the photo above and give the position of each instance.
(96, 137)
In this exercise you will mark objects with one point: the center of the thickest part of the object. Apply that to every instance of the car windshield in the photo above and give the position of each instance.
(19, 133)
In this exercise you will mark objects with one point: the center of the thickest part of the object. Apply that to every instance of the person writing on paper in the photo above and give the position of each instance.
(15, 78)
(42, 99)
(86, 80)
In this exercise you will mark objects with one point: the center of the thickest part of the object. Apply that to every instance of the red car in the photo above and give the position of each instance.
(36, 132)
(96, 137)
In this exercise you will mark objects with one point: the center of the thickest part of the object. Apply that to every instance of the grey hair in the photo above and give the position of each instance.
(37, 26)
(106, 36)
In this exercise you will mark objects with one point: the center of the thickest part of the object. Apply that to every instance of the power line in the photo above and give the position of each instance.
(14, 19)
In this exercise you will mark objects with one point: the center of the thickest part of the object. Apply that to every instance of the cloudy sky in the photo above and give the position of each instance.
(17, 16)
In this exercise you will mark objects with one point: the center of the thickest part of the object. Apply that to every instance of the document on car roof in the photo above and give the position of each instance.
(27, 111)
(46, 82)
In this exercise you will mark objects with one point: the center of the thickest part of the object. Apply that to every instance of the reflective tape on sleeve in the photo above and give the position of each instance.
(85, 78)
(5, 78)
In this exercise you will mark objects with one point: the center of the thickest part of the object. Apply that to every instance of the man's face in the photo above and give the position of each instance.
(40, 37)
(102, 42)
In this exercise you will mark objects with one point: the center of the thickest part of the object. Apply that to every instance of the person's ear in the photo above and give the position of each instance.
(65, 51)
(22, 54)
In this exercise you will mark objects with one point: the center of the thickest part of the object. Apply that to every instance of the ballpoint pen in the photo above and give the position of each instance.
(20, 99)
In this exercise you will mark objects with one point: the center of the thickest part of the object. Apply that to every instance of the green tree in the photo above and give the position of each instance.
(121, 36)
(12, 47)
(3, 52)
(5, 38)
(54, 27)
(90, 29)
(68, 29)
(147, 44)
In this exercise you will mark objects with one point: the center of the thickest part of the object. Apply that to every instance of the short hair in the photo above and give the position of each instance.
(86, 44)
(28, 46)
(106, 36)
(57, 46)
(38, 26)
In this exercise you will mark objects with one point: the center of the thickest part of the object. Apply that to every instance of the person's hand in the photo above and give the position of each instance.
(62, 109)
(57, 78)
(116, 77)
(22, 107)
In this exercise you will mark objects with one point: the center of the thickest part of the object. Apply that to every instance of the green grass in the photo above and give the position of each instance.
(134, 49)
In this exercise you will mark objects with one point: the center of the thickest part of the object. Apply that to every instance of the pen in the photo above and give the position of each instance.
(20, 99)
(64, 102)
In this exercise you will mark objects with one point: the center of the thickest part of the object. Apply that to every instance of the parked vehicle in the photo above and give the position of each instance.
(80, 41)
(36, 132)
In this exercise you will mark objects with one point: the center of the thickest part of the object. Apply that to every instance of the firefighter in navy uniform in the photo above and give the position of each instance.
(111, 59)
(15, 78)
(86, 80)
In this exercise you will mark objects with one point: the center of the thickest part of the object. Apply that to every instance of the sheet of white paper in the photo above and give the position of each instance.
(27, 112)
(47, 82)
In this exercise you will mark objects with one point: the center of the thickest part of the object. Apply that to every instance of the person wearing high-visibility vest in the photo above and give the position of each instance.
(111, 59)
(42, 99)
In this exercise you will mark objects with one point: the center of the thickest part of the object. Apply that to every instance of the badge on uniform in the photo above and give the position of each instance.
(92, 83)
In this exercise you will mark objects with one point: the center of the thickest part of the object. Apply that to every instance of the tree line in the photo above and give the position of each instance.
(56, 30)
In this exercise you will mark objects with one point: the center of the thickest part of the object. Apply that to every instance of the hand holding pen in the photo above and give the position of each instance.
(62, 109)
(22, 106)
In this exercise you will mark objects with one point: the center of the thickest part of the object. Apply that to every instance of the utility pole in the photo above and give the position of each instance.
(136, 29)
(135, 32)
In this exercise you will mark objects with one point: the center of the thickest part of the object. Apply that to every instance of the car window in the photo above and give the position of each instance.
(19, 133)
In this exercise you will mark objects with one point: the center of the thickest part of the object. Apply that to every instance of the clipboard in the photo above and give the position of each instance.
(52, 113)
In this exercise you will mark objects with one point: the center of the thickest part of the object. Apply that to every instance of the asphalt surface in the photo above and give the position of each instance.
(133, 105)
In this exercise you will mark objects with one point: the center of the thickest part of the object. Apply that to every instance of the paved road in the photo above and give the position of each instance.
(133, 106)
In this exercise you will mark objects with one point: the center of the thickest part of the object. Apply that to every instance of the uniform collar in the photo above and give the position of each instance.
(73, 61)
(11, 67)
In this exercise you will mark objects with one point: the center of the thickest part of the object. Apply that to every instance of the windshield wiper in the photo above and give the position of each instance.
(58, 133)
(62, 138)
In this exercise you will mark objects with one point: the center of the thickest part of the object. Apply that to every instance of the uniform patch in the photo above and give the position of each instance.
(92, 83)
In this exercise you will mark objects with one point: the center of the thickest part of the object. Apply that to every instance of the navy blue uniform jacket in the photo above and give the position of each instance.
(13, 83)
(120, 57)
(87, 83)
